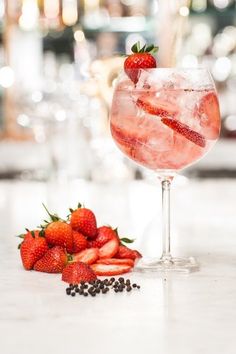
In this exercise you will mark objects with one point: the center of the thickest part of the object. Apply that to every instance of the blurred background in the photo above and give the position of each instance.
(58, 63)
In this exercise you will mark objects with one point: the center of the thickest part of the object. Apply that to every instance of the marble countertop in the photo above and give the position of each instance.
(171, 314)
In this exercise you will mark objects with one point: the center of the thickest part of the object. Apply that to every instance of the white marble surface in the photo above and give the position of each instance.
(172, 314)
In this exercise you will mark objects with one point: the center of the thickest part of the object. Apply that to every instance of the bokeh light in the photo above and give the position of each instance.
(7, 77)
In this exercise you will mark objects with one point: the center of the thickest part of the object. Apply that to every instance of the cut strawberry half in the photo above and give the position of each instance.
(110, 269)
(109, 249)
(88, 256)
(208, 112)
(117, 261)
(184, 130)
(75, 273)
(152, 105)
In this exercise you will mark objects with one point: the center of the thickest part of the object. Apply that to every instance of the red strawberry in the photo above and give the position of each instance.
(209, 114)
(30, 234)
(150, 104)
(117, 261)
(140, 59)
(104, 234)
(59, 233)
(109, 249)
(137, 254)
(184, 130)
(74, 273)
(32, 249)
(54, 261)
(84, 221)
(110, 269)
(79, 242)
(88, 256)
(125, 252)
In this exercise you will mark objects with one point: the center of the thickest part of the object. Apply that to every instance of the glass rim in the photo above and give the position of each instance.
(169, 69)
(194, 77)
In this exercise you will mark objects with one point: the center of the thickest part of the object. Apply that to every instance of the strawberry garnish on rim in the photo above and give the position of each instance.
(141, 58)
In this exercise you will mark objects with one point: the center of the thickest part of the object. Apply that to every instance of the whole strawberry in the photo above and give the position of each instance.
(141, 58)
(104, 234)
(58, 233)
(79, 242)
(32, 249)
(53, 261)
(28, 235)
(75, 273)
(83, 220)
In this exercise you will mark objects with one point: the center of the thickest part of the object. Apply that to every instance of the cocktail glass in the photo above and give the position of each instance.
(165, 122)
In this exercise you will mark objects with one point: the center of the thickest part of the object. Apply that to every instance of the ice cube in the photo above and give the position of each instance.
(143, 81)
(160, 137)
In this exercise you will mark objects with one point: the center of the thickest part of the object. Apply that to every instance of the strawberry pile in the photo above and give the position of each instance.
(77, 248)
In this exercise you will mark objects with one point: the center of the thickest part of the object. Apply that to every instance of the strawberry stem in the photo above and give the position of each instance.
(53, 217)
(69, 258)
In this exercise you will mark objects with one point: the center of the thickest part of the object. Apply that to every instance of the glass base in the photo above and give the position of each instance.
(175, 265)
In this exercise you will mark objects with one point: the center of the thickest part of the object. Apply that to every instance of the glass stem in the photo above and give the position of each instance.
(166, 256)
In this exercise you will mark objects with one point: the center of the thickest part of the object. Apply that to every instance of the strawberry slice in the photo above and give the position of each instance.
(88, 256)
(116, 261)
(110, 269)
(75, 273)
(184, 130)
(125, 252)
(109, 249)
(209, 114)
(104, 234)
(152, 105)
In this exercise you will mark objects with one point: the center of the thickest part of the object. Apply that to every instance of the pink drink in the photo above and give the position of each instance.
(164, 125)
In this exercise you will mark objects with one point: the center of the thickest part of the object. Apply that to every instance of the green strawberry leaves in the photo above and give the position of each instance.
(136, 48)
(125, 240)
